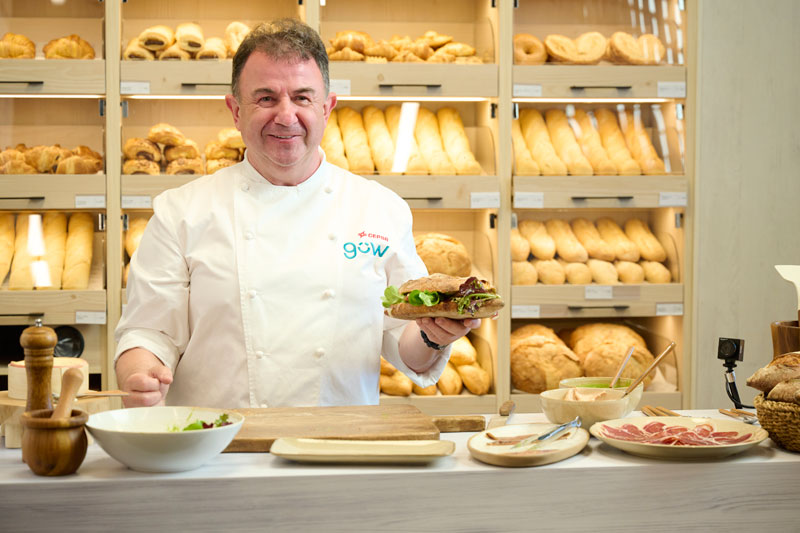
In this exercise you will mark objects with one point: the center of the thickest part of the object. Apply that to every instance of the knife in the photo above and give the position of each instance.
(576, 423)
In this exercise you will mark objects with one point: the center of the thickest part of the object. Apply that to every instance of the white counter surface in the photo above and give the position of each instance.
(599, 489)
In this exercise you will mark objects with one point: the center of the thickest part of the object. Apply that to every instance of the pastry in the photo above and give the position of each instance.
(458, 49)
(135, 51)
(520, 247)
(213, 48)
(469, 60)
(589, 140)
(77, 164)
(17, 46)
(165, 134)
(380, 140)
(550, 271)
(11, 154)
(416, 163)
(524, 165)
(186, 166)
(231, 138)
(436, 40)
(215, 150)
(212, 165)
(542, 244)
(15, 166)
(156, 38)
(78, 257)
(455, 141)
(138, 148)
(136, 226)
(441, 57)
(45, 158)
(407, 56)
(781, 368)
(399, 42)
(6, 243)
(603, 272)
(534, 130)
(21, 277)
(629, 272)
(450, 383)
(187, 150)
(576, 273)
(356, 144)
(54, 232)
(523, 273)
(85, 151)
(141, 166)
(640, 146)
(528, 50)
(567, 148)
(649, 248)
(69, 47)
(646, 50)
(331, 142)
(587, 49)
(429, 140)
(443, 254)
(655, 272)
(381, 49)
(613, 141)
(539, 363)
(357, 41)
(173, 53)
(375, 59)
(624, 248)
(189, 37)
(590, 238)
(235, 32)
(346, 54)
(568, 246)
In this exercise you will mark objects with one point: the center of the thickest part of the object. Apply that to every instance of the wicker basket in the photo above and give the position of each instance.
(781, 420)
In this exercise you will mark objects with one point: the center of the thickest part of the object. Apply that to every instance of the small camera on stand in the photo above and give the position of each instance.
(731, 350)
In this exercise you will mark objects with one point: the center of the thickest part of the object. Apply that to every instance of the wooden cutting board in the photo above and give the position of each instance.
(367, 422)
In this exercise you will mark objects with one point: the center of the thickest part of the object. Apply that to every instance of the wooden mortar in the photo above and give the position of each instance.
(54, 446)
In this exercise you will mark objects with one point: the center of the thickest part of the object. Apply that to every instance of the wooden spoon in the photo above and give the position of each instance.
(649, 369)
(70, 383)
(621, 368)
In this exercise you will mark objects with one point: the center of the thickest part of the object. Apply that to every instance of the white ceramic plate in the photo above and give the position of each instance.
(671, 451)
(361, 451)
(482, 448)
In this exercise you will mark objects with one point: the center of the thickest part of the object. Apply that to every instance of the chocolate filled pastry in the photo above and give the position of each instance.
(187, 150)
(231, 138)
(134, 51)
(138, 148)
(215, 150)
(213, 48)
(77, 164)
(69, 47)
(141, 166)
(174, 53)
(235, 32)
(212, 165)
(16, 166)
(189, 37)
(165, 134)
(45, 158)
(16, 46)
(85, 151)
(156, 38)
(186, 166)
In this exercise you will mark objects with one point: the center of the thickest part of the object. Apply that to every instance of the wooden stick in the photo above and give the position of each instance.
(649, 369)
(621, 368)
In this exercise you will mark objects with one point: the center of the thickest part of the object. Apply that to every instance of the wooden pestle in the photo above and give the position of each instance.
(38, 343)
(70, 383)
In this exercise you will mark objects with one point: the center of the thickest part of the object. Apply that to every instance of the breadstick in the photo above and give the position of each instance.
(566, 146)
(542, 244)
(649, 247)
(78, 258)
(456, 144)
(624, 248)
(534, 130)
(524, 165)
(380, 140)
(416, 163)
(429, 140)
(587, 234)
(568, 246)
(354, 138)
(6, 243)
(332, 144)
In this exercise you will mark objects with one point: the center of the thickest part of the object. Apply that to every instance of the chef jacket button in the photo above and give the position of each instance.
(259, 354)
(319, 352)
(328, 293)
(332, 236)
(252, 293)
(328, 189)
(249, 235)
(245, 187)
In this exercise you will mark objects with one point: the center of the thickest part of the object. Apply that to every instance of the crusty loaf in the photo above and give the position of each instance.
(380, 140)
(592, 146)
(649, 248)
(538, 363)
(443, 254)
(550, 271)
(529, 330)
(54, 230)
(786, 391)
(356, 143)
(534, 130)
(524, 165)
(603, 272)
(542, 244)
(331, 142)
(781, 368)
(624, 248)
(629, 272)
(568, 246)
(655, 272)
(590, 238)
(136, 226)
(604, 358)
(450, 382)
(523, 273)
(566, 146)
(78, 258)
(584, 338)
(21, 277)
(614, 143)
(416, 163)
(455, 141)
(520, 247)
(430, 144)
(6, 243)
(462, 352)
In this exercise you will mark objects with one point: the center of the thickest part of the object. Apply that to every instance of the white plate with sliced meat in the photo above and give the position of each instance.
(670, 437)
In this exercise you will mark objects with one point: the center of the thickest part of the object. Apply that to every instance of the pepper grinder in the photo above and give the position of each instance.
(38, 343)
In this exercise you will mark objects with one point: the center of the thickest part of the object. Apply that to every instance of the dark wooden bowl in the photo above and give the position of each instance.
(53, 447)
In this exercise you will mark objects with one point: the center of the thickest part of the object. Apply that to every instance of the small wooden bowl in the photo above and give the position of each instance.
(53, 447)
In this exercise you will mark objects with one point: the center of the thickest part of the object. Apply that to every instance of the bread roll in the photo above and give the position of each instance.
(430, 390)
(592, 146)
(332, 144)
(137, 148)
(524, 165)
(235, 32)
(603, 272)
(629, 272)
(786, 391)
(655, 272)
(614, 142)
(640, 146)
(624, 248)
(523, 273)
(430, 145)
(590, 238)
(379, 138)
(6, 244)
(450, 383)
(462, 352)
(398, 384)
(16, 46)
(21, 277)
(538, 363)
(550, 271)
(416, 163)
(133, 236)
(520, 247)
(475, 378)
(54, 231)
(542, 244)
(534, 130)
(189, 37)
(78, 258)
(566, 146)
(577, 273)
(781, 368)
(455, 142)
(356, 144)
(649, 248)
(443, 254)
(213, 48)
(166, 134)
(135, 51)
(157, 38)
(567, 245)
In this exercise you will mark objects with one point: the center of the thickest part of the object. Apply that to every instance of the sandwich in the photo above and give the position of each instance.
(439, 295)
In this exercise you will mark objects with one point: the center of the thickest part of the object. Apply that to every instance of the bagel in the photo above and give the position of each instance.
(528, 50)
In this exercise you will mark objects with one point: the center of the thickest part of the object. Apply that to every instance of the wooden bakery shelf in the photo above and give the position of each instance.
(445, 192)
(408, 79)
(559, 192)
(593, 300)
(55, 307)
(211, 77)
(50, 191)
(137, 188)
(462, 404)
(527, 403)
(599, 81)
(52, 76)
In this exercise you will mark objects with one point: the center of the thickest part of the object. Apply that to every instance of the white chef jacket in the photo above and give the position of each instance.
(257, 295)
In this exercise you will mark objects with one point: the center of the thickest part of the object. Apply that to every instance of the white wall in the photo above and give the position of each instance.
(747, 185)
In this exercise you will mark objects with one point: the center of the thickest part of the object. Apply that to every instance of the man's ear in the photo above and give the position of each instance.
(330, 103)
(233, 105)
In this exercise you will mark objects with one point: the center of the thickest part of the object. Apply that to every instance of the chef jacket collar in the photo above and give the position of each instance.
(317, 180)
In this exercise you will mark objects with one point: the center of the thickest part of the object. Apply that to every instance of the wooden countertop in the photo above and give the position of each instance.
(598, 488)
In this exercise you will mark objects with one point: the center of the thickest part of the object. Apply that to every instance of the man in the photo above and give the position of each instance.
(260, 285)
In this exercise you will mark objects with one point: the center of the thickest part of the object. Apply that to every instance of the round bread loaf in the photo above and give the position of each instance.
(538, 363)
(604, 359)
(443, 254)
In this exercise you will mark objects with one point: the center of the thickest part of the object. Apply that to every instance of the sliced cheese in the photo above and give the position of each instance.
(18, 380)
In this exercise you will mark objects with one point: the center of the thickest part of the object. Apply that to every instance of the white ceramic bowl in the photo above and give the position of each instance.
(558, 410)
(141, 437)
(604, 382)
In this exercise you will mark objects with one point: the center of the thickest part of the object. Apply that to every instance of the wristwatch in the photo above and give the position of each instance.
(429, 343)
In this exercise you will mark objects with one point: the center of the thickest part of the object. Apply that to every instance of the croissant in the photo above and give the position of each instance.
(69, 47)
(381, 49)
(215, 150)
(441, 57)
(375, 59)
(11, 154)
(166, 134)
(77, 164)
(212, 165)
(189, 37)
(435, 40)
(346, 54)
(407, 56)
(354, 40)
(141, 166)
(45, 158)
(174, 52)
(16, 46)
(231, 138)
(187, 150)
(458, 49)
(157, 38)
(469, 60)
(16, 166)
(85, 151)
(421, 49)
(137, 148)
(213, 48)
(186, 166)
(235, 33)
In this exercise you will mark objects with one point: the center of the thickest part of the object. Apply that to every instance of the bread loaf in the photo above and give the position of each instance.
(781, 368)
(584, 338)
(78, 258)
(398, 384)
(455, 142)
(603, 360)
(590, 238)
(550, 271)
(21, 277)
(54, 231)
(566, 146)
(6, 244)
(443, 254)
(577, 273)
(331, 142)
(534, 130)
(567, 245)
(520, 247)
(429, 140)
(624, 248)
(614, 142)
(523, 273)
(416, 163)
(786, 391)
(592, 146)
(450, 383)
(542, 244)
(640, 146)
(136, 226)
(524, 165)
(649, 248)
(629, 272)
(529, 330)
(379, 138)
(603, 272)
(538, 363)
(356, 144)
(464, 358)
(655, 272)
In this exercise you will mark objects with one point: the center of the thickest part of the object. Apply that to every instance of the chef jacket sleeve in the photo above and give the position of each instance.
(156, 317)
(404, 265)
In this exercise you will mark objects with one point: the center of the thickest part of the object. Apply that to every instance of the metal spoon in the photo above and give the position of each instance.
(575, 423)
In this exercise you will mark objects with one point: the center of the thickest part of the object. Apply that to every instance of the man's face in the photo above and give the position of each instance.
(281, 111)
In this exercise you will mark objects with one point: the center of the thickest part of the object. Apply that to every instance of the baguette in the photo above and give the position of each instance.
(78, 258)
(331, 142)
(450, 383)
(592, 146)
(568, 246)
(136, 226)
(629, 272)
(614, 143)
(524, 165)
(542, 244)
(416, 163)
(640, 146)
(624, 248)
(534, 130)
(54, 231)
(356, 144)
(21, 277)
(456, 144)
(379, 138)
(6, 243)
(655, 272)
(603, 272)
(649, 247)
(563, 139)
(429, 140)
(589, 237)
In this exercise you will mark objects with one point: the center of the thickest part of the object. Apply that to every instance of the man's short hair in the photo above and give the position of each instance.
(287, 39)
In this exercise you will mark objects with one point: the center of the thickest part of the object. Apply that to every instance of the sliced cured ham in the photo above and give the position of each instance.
(659, 433)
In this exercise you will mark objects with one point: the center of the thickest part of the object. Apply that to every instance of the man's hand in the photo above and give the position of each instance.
(144, 377)
(444, 331)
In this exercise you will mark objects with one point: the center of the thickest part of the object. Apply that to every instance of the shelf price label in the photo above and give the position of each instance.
(598, 292)
(134, 87)
(672, 199)
(672, 89)
(670, 309)
(90, 317)
(529, 200)
(137, 202)
(526, 311)
(90, 201)
(527, 90)
(484, 200)
(340, 87)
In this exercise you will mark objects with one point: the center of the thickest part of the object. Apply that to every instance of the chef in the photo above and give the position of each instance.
(260, 285)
